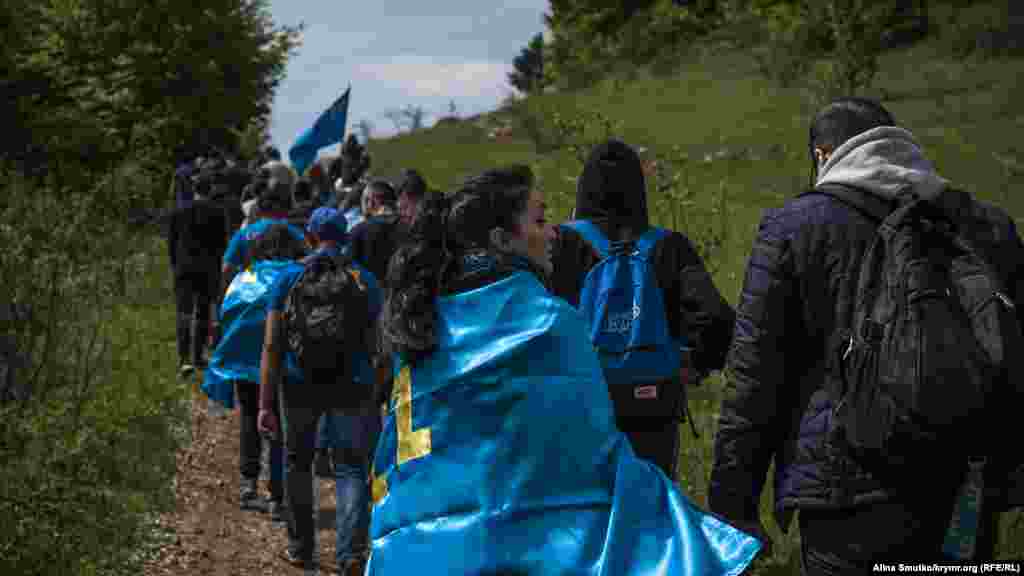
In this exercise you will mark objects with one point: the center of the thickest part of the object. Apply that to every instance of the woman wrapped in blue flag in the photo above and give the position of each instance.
(235, 363)
(499, 453)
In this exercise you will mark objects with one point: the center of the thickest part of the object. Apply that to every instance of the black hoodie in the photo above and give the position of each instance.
(612, 194)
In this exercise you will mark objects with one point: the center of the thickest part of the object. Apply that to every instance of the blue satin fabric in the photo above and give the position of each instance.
(242, 317)
(525, 472)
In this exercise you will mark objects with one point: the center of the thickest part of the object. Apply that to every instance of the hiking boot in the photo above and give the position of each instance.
(323, 464)
(248, 497)
(292, 556)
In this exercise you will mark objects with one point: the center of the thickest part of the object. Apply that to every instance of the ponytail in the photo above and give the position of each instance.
(414, 279)
(446, 229)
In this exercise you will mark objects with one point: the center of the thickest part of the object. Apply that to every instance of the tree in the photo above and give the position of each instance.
(414, 116)
(453, 112)
(365, 128)
(134, 76)
(410, 118)
(527, 75)
(252, 141)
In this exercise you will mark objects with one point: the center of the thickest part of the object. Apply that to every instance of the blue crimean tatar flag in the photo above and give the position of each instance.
(328, 129)
(242, 317)
(500, 455)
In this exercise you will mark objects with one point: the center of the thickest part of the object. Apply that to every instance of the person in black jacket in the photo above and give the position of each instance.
(196, 242)
(611, 192)
(375, 239)
(801, 274)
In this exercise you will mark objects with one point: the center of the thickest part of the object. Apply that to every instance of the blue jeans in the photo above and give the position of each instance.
(353, 439)
(326, 433)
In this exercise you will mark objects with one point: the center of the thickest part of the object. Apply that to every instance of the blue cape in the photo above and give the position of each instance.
(500, 455)
(242, 316)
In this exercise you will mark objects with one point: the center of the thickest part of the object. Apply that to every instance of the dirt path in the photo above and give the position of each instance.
(209, 535)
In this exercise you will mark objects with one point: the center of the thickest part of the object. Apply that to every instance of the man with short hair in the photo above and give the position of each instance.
(353, 433)
(786, 361)
(377, 237)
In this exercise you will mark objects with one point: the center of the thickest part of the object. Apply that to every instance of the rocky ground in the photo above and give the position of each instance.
(207, 533)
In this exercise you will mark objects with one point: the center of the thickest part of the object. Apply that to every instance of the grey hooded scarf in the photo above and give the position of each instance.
(886, 161)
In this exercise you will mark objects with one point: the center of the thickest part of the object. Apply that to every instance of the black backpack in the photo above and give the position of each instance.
(327, 319)
(928, 336)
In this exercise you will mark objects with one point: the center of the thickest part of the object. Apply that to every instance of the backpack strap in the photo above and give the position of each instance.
(592, 235)
(646, 242)
(869, 204)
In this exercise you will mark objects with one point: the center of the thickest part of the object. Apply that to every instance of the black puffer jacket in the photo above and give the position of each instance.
(611, 193)
(798, 276)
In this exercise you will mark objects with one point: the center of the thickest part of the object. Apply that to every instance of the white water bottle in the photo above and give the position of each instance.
(962, 535)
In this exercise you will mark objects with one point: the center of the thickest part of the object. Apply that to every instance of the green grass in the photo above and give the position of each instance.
(968, 115)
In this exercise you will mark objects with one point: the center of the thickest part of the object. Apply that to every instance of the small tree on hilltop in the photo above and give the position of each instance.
(528, 73)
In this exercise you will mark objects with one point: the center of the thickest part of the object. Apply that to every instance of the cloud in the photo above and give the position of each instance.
(424, 77)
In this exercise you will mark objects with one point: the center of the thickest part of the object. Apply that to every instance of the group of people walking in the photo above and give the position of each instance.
(478, 381)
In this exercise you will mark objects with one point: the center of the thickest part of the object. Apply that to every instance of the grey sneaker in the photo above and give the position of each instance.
(277, 511)
(248, 498)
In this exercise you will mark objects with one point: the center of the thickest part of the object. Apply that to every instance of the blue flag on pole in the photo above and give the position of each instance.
(242, 316)
(500, 455)
(328, 129)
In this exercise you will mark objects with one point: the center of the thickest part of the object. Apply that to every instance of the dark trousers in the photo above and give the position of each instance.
(194, 292)
(251, 443)
(353, 440)
(850, 541)
(655, 441)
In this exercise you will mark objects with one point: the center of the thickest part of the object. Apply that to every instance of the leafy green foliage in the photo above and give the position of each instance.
(94, 81)
(97, 97)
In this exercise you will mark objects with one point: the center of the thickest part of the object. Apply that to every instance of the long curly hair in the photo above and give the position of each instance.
(446, 228)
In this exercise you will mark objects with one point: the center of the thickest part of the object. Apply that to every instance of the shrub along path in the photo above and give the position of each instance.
(207, 534)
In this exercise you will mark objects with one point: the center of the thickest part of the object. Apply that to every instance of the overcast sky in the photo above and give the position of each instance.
(396, 53)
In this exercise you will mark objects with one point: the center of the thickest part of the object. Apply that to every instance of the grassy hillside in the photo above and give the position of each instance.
(746, 141)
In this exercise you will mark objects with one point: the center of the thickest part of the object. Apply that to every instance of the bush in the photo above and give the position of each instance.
(89, 455)
(984, 30)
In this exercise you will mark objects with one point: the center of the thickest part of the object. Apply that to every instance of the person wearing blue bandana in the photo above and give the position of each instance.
(235, 362)
(500, 453)
(350, 433)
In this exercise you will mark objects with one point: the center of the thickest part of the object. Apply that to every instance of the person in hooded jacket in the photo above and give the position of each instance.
(776, 406)
(611, 193)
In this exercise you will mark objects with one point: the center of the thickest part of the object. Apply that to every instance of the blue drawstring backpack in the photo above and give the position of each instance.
(624, 312)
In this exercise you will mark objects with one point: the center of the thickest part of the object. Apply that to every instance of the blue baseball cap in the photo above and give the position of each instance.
(328, 224)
